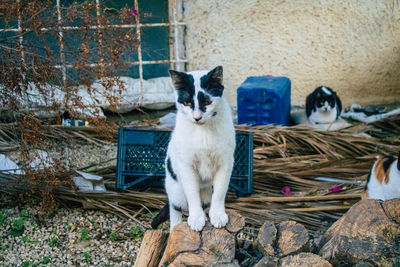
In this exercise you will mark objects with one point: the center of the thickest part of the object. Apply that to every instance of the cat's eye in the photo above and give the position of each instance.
(208, 102)
(186, 103)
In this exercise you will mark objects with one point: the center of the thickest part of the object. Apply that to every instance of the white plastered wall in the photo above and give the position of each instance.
(351, 46)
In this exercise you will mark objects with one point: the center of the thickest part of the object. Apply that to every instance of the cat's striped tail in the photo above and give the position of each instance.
(161, 217)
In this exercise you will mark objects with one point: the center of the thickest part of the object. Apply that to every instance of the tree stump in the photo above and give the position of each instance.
(209, 247)
(151, 249)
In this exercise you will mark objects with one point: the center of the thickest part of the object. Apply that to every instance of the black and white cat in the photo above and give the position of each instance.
(200, 154)
(323, 106)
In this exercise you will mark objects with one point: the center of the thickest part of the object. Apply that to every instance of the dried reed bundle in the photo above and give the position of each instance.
(293, 156)
(283, 156)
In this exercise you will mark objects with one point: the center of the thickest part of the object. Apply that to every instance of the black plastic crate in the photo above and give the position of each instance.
(141, 156)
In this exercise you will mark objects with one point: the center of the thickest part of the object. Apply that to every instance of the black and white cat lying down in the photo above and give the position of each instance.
(200, 153)
(323, 106)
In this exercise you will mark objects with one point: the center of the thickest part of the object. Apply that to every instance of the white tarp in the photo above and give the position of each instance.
(361, 116)
(8, 166)
(157, 93)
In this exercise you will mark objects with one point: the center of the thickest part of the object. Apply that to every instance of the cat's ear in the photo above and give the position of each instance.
(179, 79)
(216, 74)
(212, 82)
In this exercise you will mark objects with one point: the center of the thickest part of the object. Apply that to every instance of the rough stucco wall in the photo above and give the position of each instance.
(351, 46)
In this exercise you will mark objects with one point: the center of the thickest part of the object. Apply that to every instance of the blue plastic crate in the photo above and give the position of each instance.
(264, 100)
(141, 156)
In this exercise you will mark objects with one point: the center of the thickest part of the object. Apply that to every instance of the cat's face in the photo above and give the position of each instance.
(325, 104)
(324, 99)
(198, 93)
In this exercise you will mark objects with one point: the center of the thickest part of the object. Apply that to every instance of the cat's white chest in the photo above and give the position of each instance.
(205, 151)
(323, 117)
(206, 163)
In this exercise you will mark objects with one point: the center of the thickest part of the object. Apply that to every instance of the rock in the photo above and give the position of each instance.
(369, 231)
(266, 239)
(267, 261)
(211, 246)
(292, 238)
(304, 260)
(314, 243)
(391, 207)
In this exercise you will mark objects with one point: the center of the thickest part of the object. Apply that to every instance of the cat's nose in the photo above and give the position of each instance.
(197, 118)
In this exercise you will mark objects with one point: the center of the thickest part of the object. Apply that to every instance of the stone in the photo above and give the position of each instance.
(369, 231)
(391, 208)
(305, 260)
(292, 238)
(266, 239)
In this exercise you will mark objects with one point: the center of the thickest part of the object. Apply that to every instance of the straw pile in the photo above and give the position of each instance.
(283, 156)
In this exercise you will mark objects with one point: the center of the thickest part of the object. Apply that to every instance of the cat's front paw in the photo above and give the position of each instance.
(197, 221)
(218, 218)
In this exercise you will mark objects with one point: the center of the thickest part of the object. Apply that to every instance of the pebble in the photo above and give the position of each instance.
(68, 249)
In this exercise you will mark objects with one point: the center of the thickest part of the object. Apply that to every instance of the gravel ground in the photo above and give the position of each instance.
(69, 237)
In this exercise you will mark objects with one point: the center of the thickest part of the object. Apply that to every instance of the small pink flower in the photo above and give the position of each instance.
(134, 12)
(335, 189)
(286, 191)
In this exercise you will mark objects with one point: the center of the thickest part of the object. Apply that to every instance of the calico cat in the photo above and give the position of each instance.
(383, 181)
(200, 153)
(323, 106)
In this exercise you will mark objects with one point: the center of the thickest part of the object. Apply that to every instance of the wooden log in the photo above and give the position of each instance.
(292, 238)
(151, 249)
(266, 239)
(181, 239)
(209, 247)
